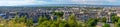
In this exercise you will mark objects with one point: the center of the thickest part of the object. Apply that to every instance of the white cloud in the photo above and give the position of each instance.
(15, 2)
(112, 0)
(86, 1)
(31, 2)
(99, 2)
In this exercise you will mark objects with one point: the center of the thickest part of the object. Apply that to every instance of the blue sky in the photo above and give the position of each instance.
(43, 2)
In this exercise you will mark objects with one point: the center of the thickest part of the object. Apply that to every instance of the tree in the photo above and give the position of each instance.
(23, 19)
(59, 14)
(45, 24)
(42, 19)
(13, 23)
(3, 22)
(72, 21)
(103, 20)
(63, 24)
(115, 19)
(117, 24)
(92, 22)
(18, 19)
(29, 22)
(80, 24)
(106, 25)
(53, 24)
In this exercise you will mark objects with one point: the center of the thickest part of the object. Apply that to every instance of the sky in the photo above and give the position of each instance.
(43, 2)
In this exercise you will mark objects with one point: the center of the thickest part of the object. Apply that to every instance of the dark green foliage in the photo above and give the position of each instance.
(115, 19)
(106, 25)
(45, 22)
(29, 22)
(72, 21)
(104, 20)
(117, 24)
(42, 19)
(59, 14)
(92, 22)
(62, 24)
(21, 19)
(53, 24)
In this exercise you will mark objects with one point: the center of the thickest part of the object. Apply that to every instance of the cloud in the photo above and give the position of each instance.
(15, 2)
(40, 2)
(20, 2)
(112, 0)
(98, 2)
